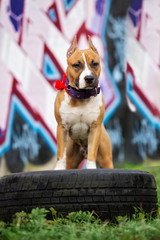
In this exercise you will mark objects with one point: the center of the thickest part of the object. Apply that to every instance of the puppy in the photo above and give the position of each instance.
(79, 111)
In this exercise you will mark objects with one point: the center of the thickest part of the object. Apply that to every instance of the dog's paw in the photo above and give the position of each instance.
(91, 164)
(60, 165)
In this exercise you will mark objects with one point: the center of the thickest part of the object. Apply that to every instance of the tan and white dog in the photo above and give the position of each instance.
(79, 111)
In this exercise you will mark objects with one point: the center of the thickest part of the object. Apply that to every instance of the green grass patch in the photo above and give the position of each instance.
(84, 225)
(80, 225)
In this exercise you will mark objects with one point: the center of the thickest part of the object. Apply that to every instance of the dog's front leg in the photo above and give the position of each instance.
(61, 147)
(93, 144)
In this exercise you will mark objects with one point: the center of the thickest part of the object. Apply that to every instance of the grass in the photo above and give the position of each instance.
(84, 225)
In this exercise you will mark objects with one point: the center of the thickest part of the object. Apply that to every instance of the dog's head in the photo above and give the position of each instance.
(83, 66)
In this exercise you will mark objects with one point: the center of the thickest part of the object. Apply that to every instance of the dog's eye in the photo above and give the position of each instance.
(94, 64)
(77, 65)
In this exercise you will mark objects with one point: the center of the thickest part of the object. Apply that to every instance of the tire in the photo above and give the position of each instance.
(109, 192)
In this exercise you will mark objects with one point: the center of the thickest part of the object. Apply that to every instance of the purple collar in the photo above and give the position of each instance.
(82, 93)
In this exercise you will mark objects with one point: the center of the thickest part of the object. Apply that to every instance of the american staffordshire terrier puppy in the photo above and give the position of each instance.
(79, 111)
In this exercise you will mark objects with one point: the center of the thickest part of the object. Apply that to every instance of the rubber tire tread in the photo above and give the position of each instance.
(108, 192)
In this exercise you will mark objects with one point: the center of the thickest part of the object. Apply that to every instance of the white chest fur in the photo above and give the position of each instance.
(77, 120)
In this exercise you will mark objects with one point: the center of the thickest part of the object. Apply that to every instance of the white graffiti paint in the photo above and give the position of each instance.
(26, 141)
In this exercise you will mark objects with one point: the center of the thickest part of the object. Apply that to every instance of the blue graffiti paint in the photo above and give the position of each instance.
(99, 6)
(136, 4)
(17, 6)
(135, 11)
(49, 68)
(15, 11)
(26, 142)
(52, 15)
(145, 138)
(1, 134)
(69, 3)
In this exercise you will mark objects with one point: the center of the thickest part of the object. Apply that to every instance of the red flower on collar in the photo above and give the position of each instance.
(61, 85)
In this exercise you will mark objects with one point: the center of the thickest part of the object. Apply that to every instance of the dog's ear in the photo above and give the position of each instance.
(92, 46)
(72, 48)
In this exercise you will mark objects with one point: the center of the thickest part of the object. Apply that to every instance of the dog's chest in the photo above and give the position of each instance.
(77, 120)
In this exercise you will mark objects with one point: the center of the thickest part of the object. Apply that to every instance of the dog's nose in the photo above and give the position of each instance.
(89, 79)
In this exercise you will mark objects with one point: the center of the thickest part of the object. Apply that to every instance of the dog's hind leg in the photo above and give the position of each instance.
(73, 155)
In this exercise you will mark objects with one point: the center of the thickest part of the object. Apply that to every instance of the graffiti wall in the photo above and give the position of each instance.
(34, 38)
(133, 43)
(143, 75)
